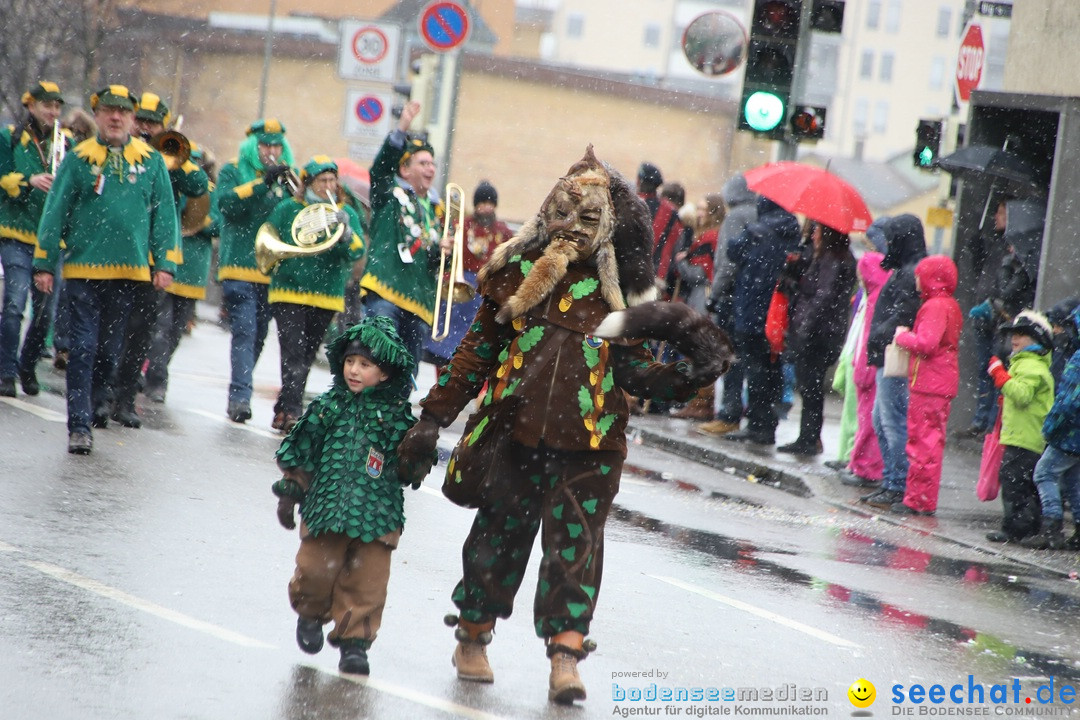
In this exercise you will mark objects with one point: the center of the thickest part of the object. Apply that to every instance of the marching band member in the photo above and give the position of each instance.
(26, 154)
(248, 189)
(405, 229)
(115, 186)
(306, 291)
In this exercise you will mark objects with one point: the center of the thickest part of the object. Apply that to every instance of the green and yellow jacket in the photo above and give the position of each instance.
(22, 155)
(114, 210)
(316, 280)
(402, 223)
(1027, 398)
(245, 202)
(192, 274)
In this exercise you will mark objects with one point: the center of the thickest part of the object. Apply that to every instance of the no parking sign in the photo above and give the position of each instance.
(367, 115)
(444, 25)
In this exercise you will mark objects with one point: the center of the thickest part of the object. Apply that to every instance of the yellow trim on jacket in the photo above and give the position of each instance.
(186, 291)
(325, 302)
(370, 282)
(235, 272)
(80, 271)
(23, 236)
(247, 189)
(12, 183)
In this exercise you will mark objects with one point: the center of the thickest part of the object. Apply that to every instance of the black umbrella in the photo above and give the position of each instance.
(987, 161)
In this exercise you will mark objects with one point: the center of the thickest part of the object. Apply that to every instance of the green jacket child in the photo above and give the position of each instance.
(340, 465)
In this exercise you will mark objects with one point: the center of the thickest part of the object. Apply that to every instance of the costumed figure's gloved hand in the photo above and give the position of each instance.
(343, 217)
(285, 508)
(998, 373)
(417, 453)
(274, 174)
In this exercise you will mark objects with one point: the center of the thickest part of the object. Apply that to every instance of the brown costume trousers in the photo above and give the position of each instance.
(564, 495)
(343, 579)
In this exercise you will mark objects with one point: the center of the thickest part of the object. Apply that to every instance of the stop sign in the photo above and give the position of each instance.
(969, 62)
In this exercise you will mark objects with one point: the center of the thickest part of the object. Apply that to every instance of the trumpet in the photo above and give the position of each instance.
(173, 146)
(290, 180)
(58, 147)
(451, 285)
(315, 229)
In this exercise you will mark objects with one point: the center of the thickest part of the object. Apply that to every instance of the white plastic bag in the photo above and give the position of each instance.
(896, 361)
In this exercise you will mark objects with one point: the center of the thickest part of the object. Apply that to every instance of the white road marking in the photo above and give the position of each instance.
(413, 696)
(430, 491)
(761, 613)
(41, 412)
(4, 547)
(239, 426)
(146, 606)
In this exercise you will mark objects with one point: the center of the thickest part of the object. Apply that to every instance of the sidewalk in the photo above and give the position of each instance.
(961, 517)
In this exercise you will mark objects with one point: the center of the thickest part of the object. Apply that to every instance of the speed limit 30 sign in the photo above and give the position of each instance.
(368, 51)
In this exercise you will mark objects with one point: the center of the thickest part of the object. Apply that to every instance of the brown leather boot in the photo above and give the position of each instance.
(564, 685)
(700, 406)
(470, 655)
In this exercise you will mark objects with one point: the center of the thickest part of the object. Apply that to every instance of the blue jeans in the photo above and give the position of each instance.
(890, 426)
(17, 258)
(249, 319)
(98, 311)
(410, 327)
(1058, 472)
(986, 394)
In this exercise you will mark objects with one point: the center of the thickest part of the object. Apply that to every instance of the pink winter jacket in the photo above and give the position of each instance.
(873, 279)
(934, 368)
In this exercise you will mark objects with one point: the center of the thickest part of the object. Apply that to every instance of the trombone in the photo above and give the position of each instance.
(58, 149)
(450, 284)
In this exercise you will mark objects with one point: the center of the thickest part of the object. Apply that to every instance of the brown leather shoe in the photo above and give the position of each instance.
(564, 685)
(716, 427)
(470, 655)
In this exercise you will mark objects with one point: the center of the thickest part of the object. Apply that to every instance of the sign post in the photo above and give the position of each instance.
(970, 61)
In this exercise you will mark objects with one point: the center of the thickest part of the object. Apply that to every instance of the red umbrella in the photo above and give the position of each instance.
(813, 192)
(355, 176)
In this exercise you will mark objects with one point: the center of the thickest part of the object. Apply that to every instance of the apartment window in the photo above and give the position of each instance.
(881, 116)
(652, 35)
(866, 65)
(944, 21)
(858, 121)
(892, 17)
(885, 74)
(937, 73)
(575, 25)
(873, 14)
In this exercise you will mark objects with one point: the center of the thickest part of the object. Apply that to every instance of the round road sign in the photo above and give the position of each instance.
(969, 62)
(444, 25)
(370, 45)
(369, 109)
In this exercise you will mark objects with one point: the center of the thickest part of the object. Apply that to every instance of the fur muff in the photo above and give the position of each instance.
(706, 346)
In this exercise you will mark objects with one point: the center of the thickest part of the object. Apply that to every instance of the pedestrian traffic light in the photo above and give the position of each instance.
(827, 16)
(808, 122)
(927, 143)
(770, 67)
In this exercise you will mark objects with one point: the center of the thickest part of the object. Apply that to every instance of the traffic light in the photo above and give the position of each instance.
(421, 88)
(770, 67)
(827, 16)
(808, 122)
(927, 143)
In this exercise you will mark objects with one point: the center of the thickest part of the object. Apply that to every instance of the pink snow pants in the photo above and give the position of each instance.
(866, 453)
(927, 417)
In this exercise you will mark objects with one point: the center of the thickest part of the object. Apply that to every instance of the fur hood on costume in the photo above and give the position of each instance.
(621, 250)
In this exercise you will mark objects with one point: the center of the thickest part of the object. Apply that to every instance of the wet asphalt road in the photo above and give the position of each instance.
(148, 581)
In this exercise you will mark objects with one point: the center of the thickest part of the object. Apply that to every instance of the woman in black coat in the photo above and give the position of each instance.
(819, 322)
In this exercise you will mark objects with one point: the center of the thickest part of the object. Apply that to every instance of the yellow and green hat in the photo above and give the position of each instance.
(43, 90)
(414, 145)
(114, 96)
(268, 131)
(153, 109)
(316, 166)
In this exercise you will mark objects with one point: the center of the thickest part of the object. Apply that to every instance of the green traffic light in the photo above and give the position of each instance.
(926, 157)
(763, 111)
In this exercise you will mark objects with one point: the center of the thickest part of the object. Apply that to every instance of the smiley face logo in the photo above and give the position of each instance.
(862, 693)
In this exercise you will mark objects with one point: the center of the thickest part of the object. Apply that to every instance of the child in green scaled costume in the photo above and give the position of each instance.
(339, 464)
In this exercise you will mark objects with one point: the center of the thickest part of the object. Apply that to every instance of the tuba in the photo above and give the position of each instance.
(315, 229)
(174, 146)
(450, 283)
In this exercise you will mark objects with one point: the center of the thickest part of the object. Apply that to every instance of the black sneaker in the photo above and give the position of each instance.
(239, 412)
(852, 480)
(80, 443)
(902, 508)
(7, 387)
(998, 536)
(128, 418)
(29, 383)
(800, 447)
(100, 419)
(309, 635)
(750, 436)
(883, 499)
(354, 661)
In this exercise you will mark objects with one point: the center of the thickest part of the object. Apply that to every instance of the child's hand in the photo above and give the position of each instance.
(285, 509)
(996, 370)
(900, 329)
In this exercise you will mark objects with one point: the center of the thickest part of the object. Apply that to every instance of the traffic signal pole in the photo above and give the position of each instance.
(789, 146)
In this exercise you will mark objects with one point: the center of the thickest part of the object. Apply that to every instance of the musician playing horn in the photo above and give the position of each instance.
(248, 189)
(25, 179)
(188, 181)
(405, 229)
(306, 291)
